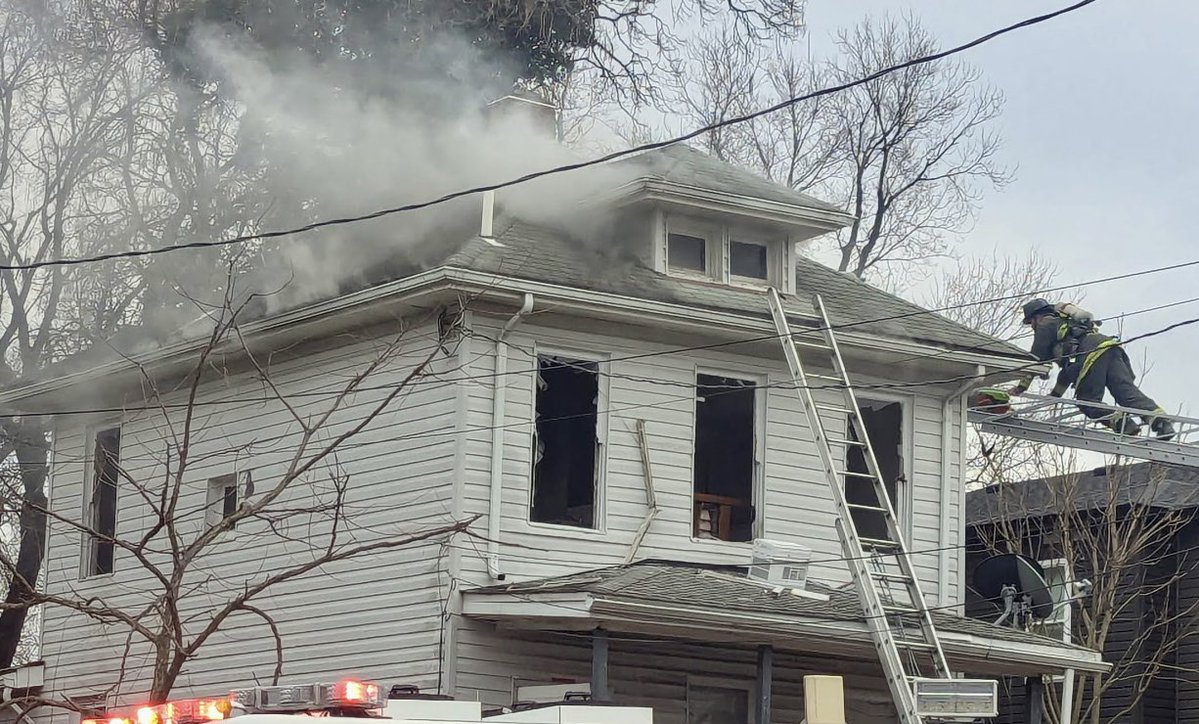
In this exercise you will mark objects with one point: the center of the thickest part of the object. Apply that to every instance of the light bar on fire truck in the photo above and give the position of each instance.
(183, 711)
(345, 694)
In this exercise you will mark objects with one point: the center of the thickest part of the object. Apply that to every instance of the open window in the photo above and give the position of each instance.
(223, 498)
(725, 462)
(884, 424)
(102, 503)
(566, 443)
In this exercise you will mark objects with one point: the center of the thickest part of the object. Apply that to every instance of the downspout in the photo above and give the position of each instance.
(498, 410)
(947, 489)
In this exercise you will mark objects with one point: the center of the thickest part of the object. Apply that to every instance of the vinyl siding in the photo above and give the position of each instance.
(378, 615)
(659, 389)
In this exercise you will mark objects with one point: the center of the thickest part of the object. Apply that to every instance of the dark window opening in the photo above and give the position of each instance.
(884, 424)
(229, 506)
(687, 252)
(565, 442)
(723, 475)
(717, 705)
(222, 498)
(747, 260)
(106, 461)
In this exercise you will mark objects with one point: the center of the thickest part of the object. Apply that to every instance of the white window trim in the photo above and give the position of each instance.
(772, 264)
(758, 485)
(713, 682)
(1065, 615)
(86, 540)
(712, 233)
(602, 423)
(905, 504)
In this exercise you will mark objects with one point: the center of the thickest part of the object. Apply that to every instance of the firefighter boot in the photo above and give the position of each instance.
(1122, 424)
(1163, 429)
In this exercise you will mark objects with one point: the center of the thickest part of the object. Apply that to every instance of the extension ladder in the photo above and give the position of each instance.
(894, 607)
(1059, 421)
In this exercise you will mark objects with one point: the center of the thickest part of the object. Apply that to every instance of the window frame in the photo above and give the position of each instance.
(711, 233)
(758, 484)
(214, 506)
(87, 557)
(750, 240)
(905, 504)
(602, 424)
(750, 687)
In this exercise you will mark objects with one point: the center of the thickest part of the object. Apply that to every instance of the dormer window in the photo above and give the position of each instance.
(748, 260)
(722, 251)
(687, 253)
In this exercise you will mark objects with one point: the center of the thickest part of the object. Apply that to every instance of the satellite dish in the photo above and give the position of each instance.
(1019, 582)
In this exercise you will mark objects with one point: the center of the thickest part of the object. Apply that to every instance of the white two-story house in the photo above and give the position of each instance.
(615, 417)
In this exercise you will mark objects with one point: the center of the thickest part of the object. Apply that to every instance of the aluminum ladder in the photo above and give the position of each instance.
(894, 607)
(1059, 421)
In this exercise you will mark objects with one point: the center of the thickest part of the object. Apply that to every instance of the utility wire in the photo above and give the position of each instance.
(711, 346)
(340, 221)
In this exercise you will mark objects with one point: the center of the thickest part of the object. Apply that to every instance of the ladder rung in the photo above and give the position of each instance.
(877, 543)
(838, 410)
(900, 609)
(922, 645)
(895, 577)
(859, 506)
(827, 378)
(851, 474)
(841, 441)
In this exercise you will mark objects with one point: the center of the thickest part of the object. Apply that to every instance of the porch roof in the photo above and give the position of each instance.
(718, 604)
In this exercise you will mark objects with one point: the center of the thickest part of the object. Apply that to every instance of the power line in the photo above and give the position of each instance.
(340, 221)
(712, 346)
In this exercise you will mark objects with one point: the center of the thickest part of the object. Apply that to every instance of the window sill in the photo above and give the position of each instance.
(97, 577)
(723, 545)
(749, 283)
(569, 532)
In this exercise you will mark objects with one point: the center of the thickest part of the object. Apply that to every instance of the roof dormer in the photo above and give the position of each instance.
(722, 250)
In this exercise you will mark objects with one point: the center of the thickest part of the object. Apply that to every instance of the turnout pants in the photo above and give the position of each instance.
(1111, 369)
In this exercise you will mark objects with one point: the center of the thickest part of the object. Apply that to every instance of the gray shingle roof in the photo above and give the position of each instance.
(709, 586)
(1160, 486)
(540, 254)
(687, 166)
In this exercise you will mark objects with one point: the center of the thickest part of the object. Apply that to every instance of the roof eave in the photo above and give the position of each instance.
(481, 285)
(814, 219)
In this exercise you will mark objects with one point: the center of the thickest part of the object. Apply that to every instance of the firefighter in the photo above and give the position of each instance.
(1090, 362)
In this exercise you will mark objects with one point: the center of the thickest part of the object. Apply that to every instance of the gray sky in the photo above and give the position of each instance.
(1099, 125)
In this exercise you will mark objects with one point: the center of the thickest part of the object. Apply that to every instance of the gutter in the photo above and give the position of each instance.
(498, 411)
(613, 306)
(944, 597)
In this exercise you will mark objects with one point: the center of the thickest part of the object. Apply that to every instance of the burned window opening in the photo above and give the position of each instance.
(223, 497)
(725, 456)
(884, 424)
(565, 443)
(102, 514)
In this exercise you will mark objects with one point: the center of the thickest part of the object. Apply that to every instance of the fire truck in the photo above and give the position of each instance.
(348, 701)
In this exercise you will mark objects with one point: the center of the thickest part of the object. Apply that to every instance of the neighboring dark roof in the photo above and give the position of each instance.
(1160, 486)
(692, 585)
(686, 166)
(540, 254)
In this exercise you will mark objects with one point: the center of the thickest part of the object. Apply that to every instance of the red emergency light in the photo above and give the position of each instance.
(182, 711)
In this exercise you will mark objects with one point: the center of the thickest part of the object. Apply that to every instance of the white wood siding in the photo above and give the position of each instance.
(644, 672)
(659, 389)
(378, 616)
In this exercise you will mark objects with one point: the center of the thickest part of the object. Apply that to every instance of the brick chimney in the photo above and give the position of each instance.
(541, 115)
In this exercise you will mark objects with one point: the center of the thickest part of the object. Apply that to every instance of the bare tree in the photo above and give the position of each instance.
(1123, 538)
(179, 545)
(963, 292)
(908, 154)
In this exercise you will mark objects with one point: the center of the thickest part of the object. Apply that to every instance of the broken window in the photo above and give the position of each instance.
(222, 498)
(747, 260)
(566, 452)
(687, 252)
(717, 705)
(102, 502)
(884, 424)
(725, 458)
